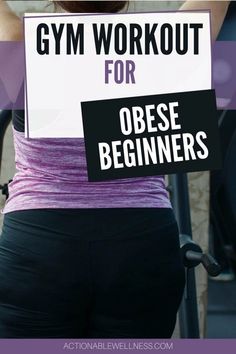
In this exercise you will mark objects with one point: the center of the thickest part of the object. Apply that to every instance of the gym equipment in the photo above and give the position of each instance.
(192, 256)
(223, 195)
(222, 183)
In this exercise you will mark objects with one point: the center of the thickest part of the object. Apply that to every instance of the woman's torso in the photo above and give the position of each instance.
(52, 173)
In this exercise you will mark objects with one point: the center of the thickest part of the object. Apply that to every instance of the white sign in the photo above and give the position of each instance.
(71, 58)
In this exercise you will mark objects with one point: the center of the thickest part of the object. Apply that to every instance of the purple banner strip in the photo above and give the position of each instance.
(62, 346)
(12, 74)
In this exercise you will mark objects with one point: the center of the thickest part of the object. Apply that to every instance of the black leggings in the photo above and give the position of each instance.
(90, 273)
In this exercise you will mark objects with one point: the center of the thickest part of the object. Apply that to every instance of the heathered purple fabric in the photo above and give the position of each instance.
(52, 173)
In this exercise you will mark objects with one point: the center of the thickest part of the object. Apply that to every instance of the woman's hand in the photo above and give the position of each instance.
(11, 26)
(218, 11)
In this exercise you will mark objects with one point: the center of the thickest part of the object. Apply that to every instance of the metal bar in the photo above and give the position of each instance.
(188, 312)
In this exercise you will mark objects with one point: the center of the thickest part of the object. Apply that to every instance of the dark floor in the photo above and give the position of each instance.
(221, 317)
